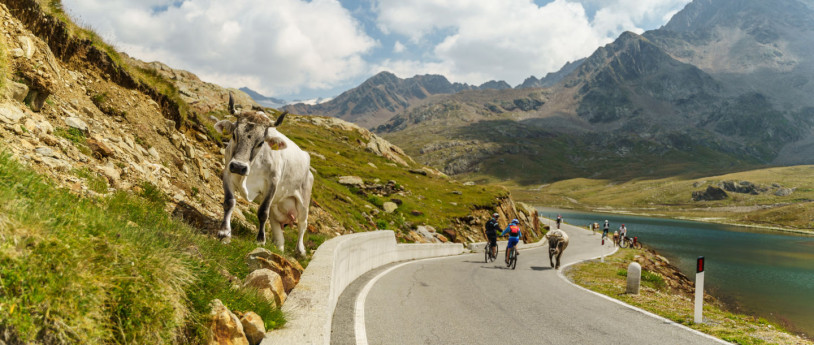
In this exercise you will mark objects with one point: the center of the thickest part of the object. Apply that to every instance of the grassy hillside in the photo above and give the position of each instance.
(673, 197)
(115, 269)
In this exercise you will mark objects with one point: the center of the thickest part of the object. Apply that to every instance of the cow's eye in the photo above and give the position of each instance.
(259, 144)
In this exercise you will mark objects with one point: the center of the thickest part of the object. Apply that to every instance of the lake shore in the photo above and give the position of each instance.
(712, 220)
(668, 293)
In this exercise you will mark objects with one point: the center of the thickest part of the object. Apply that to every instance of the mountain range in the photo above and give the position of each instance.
(723, 85)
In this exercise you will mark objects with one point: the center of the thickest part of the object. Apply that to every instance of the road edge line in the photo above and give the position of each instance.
(658, 317)
(359, 329)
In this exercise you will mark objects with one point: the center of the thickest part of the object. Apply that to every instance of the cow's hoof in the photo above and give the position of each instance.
(225, 233)
(226, 240)
(261, 242)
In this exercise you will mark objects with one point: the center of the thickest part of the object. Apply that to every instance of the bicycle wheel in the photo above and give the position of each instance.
(514, 258)
(624, 243)
(637, 245)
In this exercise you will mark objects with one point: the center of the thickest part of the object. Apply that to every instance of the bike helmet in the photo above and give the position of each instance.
(623, 225)
(515, 221)
(495, 215)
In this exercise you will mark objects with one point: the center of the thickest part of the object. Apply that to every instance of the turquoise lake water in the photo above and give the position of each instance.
(767, 274)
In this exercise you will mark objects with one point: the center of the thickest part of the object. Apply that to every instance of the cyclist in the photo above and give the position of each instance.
(492, 227)
(605, 229)
(514, 236)
(559, 221)
(622, 232)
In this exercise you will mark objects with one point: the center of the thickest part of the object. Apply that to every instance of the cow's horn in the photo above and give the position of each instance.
(231, 104)
(280, 119)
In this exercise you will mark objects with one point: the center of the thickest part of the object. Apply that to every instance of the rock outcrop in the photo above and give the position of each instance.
(226, 328)
(710, 194)
(268, 284)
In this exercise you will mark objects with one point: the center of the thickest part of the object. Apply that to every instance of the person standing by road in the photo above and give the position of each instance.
(514, 236)
(492, 227)
(559, 221)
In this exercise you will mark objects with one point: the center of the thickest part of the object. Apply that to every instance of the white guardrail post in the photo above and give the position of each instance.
(699, 290)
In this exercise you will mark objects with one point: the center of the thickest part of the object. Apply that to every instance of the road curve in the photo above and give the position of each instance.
(462, 300)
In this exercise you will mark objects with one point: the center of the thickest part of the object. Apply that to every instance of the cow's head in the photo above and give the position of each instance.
(251, 132)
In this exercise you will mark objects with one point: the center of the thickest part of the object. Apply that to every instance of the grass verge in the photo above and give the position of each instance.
(610, 278)
(115, 269)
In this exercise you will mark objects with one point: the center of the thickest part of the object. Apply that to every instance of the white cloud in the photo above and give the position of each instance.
(275, 47)
(398, 47)
(509, 39)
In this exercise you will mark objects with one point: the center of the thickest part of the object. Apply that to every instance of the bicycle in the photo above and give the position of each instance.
(512, 257)
(490, 252)
(630, 242)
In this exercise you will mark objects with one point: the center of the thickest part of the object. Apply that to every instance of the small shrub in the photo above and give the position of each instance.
(375, 200)
(381, 224)
(153, 194)
(621, 272)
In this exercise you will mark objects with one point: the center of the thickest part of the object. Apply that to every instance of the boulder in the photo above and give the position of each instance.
(75, 122)
(712, 193)
(351, 180)
(427, 233)
(289, 270)
(783, 191)
(100, 150)
(226, 328)
(418, 172)
(268, 284)
(450, 233)
(10, 114)
(253, 327)
(16, 91)
(389, 206)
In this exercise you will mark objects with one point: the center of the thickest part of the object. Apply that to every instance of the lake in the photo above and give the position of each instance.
(766, 273)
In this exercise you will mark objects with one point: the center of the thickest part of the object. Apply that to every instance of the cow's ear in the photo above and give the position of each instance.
(224, 126)
(276, 143)
(274, 140)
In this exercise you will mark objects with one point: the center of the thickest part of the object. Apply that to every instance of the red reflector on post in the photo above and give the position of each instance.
(700, 265)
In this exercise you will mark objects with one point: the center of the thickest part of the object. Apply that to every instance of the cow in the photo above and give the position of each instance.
(557, 242)
(265, 166)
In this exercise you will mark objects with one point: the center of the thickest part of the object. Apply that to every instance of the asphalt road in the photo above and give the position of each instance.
(462, 300)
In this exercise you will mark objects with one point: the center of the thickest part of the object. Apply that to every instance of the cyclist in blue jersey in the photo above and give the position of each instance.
(514, 236)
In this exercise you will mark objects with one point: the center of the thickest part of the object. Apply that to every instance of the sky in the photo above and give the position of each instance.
(305, 49)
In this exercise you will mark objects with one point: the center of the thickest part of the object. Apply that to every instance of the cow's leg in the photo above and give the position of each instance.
(277, 232)
(302, 211)
(262, 217)
(225, 231)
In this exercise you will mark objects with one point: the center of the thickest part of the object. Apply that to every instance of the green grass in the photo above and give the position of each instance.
(115, 269)
(609, 278)
(95, 182)
(344, 155)
(672, 197)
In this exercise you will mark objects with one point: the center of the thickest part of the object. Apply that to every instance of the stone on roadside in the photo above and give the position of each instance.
(225, 327)
(253, 327)
(389, 206)
(268, 284)
(289, 270)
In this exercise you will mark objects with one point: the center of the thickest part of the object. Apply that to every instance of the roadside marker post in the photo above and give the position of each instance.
(699, 290)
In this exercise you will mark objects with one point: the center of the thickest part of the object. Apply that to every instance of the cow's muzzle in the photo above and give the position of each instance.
(238, 168)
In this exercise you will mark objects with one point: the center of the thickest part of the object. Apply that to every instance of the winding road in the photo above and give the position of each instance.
(462, 300)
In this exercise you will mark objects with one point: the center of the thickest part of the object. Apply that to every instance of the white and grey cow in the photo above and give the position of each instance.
(263, 165)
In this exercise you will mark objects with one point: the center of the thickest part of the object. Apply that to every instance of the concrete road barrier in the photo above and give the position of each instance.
(336, 263)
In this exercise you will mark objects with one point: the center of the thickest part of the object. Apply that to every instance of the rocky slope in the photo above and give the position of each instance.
(117, 128)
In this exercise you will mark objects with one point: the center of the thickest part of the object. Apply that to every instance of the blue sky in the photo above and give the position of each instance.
(298, 49)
